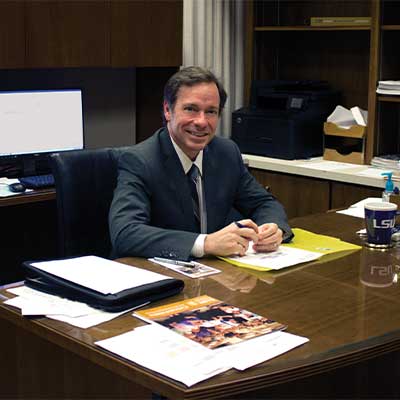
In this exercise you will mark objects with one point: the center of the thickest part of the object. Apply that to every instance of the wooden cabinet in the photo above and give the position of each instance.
(90, 33)
(281, 44)
(67, 34)
(12, 34)
(304, 196)
(299, 195)
(146, 33)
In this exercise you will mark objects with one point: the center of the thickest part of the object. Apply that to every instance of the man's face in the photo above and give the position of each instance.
(194, 118)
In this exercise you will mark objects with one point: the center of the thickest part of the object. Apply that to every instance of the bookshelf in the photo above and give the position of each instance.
(281, 44)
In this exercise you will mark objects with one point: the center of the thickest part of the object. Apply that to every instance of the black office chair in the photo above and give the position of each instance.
(85, 181)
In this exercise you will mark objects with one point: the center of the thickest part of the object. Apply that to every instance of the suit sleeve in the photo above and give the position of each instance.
(131, 229)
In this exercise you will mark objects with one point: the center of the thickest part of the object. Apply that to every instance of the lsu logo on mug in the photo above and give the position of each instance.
(380, 219)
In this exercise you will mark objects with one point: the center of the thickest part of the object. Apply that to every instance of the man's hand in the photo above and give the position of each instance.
(269, 238)
(234, 239)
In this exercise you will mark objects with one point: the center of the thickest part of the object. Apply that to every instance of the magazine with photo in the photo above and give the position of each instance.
(209, 321)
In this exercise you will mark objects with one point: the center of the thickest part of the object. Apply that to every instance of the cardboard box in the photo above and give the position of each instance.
(344, 145)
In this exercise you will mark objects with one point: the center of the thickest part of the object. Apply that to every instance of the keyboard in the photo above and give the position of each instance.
(37, 181)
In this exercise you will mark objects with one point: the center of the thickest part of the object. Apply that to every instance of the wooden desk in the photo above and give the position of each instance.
(29, 197)
(352, 318)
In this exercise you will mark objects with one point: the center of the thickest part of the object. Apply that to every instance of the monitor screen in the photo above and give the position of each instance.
(33, 122)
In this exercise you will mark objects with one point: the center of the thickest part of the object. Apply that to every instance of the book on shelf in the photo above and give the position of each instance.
(388, 161)
(389, 87)
(340, 21)
(209, 321)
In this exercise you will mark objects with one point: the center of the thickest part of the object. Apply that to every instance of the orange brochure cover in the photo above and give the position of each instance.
(209, 321)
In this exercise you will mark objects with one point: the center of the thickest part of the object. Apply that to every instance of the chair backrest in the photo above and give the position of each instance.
(85, 182)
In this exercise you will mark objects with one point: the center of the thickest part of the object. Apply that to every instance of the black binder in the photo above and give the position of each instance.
(123, 300)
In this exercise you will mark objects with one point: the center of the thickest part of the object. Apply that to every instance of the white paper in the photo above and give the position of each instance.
(100, 274)
(373, 173)
(281, 258)
(328, 165)
(342, 117)
(34, 302)
(96, 317)
(186, 361)
(357, 209)
(260, 349)
(167, 353)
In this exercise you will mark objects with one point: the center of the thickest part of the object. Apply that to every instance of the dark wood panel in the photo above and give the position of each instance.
(298, 12)
(299, 195)
(53, 379)
(29, 233)
(149, 97)
(278, 56)
(68, 33)
(12, 34)
(146, 33)
(345, 194)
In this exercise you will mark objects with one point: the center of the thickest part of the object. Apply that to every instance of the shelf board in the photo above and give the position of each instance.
(310, 28)
(393, 99)
(390, 27)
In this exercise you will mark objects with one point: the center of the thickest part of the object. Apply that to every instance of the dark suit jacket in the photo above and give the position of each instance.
(151, 214)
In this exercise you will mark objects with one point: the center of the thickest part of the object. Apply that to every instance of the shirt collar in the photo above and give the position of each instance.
(186, 161)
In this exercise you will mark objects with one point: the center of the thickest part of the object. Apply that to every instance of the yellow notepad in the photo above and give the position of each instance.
(303, 240)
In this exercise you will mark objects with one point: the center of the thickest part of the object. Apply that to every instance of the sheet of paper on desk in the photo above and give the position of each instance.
(100, 274)
(255, 351)
(357, 209)
(327, 165)
(281, 258)
(167, 353)
(374, 173)
(33, 302)
(179, 358)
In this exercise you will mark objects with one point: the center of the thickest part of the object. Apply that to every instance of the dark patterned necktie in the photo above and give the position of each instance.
(193, 176)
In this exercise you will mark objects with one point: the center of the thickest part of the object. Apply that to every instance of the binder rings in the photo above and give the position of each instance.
(114, 302)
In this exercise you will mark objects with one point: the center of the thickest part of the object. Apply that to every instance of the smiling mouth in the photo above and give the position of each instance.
(198, 134)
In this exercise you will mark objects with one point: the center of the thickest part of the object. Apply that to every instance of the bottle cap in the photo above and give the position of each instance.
(389, 183)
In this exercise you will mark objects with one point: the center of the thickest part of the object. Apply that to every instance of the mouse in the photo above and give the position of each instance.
(17, 187)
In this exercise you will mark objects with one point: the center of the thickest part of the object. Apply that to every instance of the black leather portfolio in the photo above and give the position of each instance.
(115, 302)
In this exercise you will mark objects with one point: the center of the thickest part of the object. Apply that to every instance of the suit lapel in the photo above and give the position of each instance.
(176, 179)
(210, 186)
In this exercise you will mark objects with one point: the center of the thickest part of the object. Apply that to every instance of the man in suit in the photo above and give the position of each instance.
(158, 211)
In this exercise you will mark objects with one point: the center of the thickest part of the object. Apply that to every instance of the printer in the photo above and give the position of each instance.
(285, 118)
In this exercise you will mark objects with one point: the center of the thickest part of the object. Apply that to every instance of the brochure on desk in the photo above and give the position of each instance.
(237, 338)
(209, 321)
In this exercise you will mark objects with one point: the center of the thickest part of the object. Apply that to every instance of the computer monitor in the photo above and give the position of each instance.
(34, 124)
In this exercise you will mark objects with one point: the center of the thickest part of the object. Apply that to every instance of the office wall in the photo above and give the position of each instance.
(108, 95)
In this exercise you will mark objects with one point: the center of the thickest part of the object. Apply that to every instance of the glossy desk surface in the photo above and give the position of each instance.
(349, 308)
(28, 197)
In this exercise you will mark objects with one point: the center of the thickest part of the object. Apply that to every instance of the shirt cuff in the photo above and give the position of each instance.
(198, 247)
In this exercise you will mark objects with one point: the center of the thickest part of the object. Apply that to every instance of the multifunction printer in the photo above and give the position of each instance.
(285, 119)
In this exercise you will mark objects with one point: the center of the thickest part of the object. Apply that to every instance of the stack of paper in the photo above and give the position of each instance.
(389, 87)
(345, 118)
(33, 302)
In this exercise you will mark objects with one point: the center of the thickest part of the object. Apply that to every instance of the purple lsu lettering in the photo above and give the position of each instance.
(384, 223)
